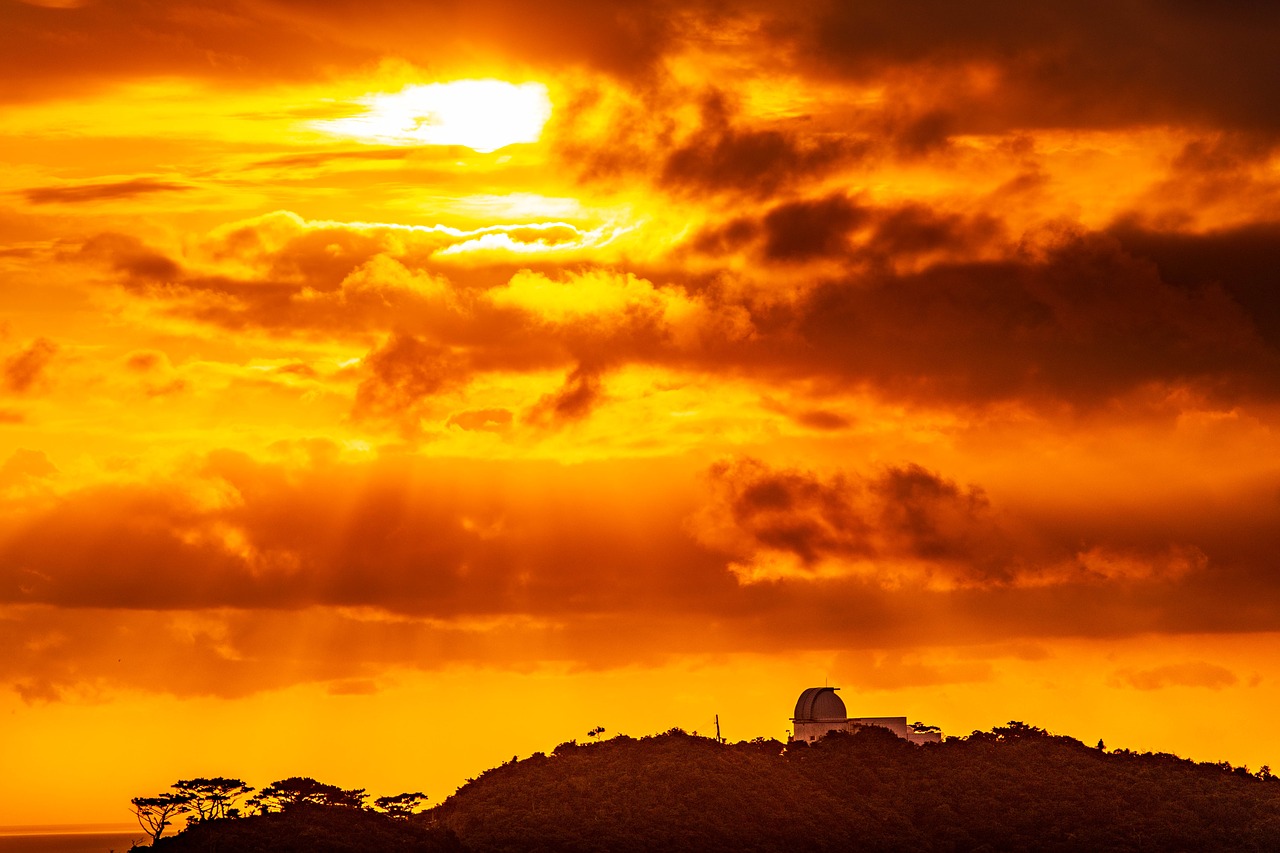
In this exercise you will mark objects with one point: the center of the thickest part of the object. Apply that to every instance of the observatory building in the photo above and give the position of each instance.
(819, 711)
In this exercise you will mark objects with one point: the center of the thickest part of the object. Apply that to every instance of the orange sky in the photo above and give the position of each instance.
(388, 388)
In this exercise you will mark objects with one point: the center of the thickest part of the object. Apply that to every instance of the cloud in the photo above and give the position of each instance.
(420, 562)
(917, 303)
(123, 253)
(405, 371)
(840, 227)
(25, 464)
(240, 533)
(492, 420)
(51, 52)
(719, 156)
(999, 65)
(801, 230)
(81, 193)
(904, 523)
(1082, 322)
(24, 370)
(1189, 674)
(1240, 261)
(581, 393)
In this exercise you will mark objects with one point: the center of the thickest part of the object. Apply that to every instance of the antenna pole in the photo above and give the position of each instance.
(718, 738)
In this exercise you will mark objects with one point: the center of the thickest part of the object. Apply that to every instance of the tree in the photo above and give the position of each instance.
(298, 790)
(923, 727)
(213, 798)
(155, 813)
(1017, 729)
(401, 805)
(596, 732)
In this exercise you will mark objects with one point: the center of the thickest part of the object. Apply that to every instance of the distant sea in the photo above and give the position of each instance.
(69, 839)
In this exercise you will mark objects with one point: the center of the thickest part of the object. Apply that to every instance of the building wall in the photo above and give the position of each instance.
(897, 725)
(810, 731)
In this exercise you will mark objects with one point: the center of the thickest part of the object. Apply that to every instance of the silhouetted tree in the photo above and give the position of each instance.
(155, 813)
(213, 798)
(596, 732)
(297, 790)
(1018, 729)
(401, 805)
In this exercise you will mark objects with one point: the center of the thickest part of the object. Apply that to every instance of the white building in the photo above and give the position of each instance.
(819, 711)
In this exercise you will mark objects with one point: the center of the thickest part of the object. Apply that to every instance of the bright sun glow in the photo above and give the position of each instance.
(484, 115)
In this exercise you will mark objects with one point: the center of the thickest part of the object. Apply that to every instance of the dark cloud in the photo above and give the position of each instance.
(145, 361)
(915, 229)
(1084, 323)
(760, 162)
(80, 193)
(826, 228)
(922, 134)
(23, 370)
(904, 513)
(802, 230)
(822, 419)
(581, 393)
(405, 371)
(1242, 262)
(318, 159)
(997, 65)
(126, 254)
(47, 52)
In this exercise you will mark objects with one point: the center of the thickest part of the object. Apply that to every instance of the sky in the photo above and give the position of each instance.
(391, 388)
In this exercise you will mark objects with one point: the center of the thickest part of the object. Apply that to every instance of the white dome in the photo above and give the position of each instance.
(820, 705)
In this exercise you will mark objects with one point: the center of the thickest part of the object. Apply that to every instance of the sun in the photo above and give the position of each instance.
(483, 115)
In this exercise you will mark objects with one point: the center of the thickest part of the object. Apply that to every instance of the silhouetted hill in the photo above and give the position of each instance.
(312, 829)
(1015, 788)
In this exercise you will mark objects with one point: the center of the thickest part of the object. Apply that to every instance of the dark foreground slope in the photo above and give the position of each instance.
(1014, 789)
(312, 829)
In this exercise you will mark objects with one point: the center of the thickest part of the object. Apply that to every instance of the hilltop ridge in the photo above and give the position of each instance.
(1014, 788)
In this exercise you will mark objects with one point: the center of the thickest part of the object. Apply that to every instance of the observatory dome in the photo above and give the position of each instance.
(820, 705)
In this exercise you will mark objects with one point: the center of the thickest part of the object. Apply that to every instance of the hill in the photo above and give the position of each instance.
(1015, 788)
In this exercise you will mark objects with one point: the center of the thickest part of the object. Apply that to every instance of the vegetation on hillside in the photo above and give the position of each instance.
(1013, 788)
(308, 828)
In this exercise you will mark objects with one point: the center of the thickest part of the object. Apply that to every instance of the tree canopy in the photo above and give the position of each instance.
(212, 798)
(297, 790)
(400, 805)
(155, 814)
